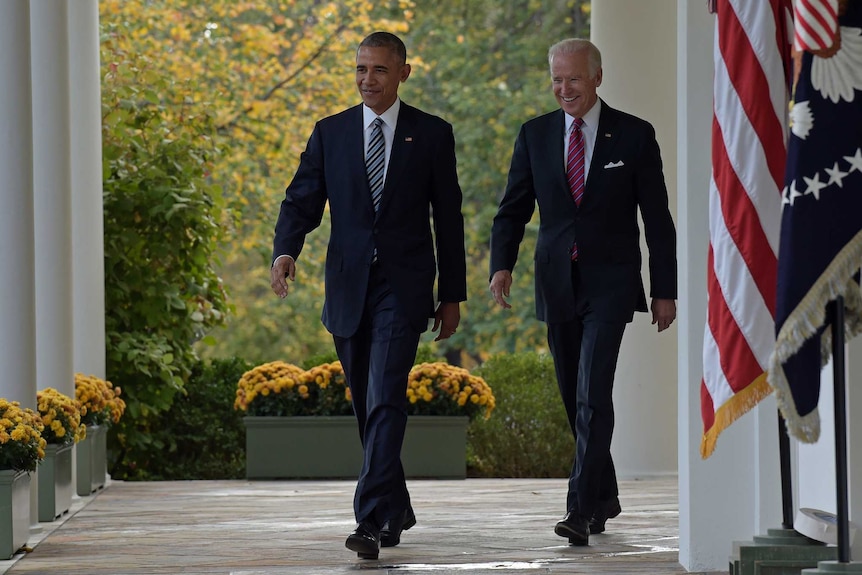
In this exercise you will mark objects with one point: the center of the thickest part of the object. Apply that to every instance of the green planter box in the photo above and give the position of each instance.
(14, 511)
(328, 447)
(92, 460)
(55, 482)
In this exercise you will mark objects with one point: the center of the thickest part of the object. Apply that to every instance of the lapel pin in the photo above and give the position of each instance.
(608, 135)
(408, 139)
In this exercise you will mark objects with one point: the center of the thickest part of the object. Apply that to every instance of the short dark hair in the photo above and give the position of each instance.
(386, 40)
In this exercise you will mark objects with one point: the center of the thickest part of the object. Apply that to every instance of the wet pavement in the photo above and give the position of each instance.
(468, 527)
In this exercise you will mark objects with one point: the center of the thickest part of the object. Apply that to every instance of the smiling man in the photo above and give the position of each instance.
(590, 168)
(383, 167)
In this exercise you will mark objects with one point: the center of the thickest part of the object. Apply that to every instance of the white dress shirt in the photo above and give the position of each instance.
(390, 120)
(589, 129)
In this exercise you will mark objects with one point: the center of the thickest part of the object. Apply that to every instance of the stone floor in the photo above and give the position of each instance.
(469, 527)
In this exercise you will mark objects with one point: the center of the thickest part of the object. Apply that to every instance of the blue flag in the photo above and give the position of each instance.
(820, 250)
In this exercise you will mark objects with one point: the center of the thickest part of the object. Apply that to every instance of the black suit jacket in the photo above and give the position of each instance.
(625, 175)
(421, 177)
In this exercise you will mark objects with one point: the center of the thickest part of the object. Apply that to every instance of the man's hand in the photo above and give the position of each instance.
(446, 318)
(663, 313)
(500, 284)
(284, 267)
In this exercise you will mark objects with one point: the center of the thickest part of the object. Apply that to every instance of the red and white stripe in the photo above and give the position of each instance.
(816, 24)
(749, 134)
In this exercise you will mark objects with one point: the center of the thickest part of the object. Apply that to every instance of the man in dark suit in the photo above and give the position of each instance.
(384, 167)
(589, 168)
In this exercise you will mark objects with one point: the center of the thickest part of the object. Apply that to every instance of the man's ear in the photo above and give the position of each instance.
(405, 72)
(599, 78)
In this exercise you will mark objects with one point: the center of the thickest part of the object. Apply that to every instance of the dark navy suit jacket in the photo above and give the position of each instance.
(421, 179)
(625, 175)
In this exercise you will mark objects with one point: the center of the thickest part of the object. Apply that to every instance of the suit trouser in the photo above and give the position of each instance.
(376, 361)
(585, 352)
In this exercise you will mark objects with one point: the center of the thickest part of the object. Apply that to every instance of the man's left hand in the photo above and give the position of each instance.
(663, 313)
(446, 319)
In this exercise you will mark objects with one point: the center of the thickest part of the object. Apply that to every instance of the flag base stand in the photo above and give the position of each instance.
(779, 552)
(835, 567)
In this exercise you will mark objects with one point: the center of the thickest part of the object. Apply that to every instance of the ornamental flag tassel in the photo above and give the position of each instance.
(821, 221)
(749, 128)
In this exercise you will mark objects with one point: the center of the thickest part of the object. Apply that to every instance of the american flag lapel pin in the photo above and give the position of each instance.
(607, 135)
(408, 139)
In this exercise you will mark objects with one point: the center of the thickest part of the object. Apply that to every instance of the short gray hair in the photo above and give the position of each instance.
(573, 46)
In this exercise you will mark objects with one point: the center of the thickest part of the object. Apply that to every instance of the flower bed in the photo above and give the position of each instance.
(282, 389)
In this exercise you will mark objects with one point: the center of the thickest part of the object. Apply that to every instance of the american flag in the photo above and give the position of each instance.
(821, 221)
(751, 91)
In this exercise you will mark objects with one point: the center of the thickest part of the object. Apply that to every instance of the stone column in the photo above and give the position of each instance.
(88, 279)
(735, 494)
(52, 193)
(637, 41)
(17, 280)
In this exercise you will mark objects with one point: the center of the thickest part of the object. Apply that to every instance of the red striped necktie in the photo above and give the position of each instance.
(575, 168)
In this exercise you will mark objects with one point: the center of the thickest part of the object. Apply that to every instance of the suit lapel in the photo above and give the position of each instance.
(554, 148)
(402, 146)
(354, 139)
(606, 138)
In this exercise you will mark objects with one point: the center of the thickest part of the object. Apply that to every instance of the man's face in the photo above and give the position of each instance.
(379, 71)
(573, 87)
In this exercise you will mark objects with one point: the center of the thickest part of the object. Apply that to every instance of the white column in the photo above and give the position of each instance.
(53, 195)
(637, 41)
(88, 287)
(816, 487)
(17, 278)
(735, 494)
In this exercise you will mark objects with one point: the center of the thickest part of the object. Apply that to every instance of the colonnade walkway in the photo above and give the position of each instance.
(465, 527)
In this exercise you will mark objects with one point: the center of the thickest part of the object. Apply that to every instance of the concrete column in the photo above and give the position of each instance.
(17, 280)
(88, 287)
(637, 41)
(53, 195)
(735, 494)
(816, 486)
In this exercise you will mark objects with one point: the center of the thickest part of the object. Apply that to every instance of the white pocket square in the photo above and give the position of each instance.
(614, 164)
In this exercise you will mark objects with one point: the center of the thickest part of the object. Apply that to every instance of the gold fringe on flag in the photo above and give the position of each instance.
(741, 403)
(804, 322)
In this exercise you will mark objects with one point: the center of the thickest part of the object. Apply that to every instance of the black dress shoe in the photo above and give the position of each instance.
(575, 527)
(390, 533)
(604, 510)
(365, 540)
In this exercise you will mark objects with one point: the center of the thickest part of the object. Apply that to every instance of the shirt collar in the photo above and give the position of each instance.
(591, 118)
(389, 117)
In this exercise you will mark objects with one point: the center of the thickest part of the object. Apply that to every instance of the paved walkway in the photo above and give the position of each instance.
(469, 527)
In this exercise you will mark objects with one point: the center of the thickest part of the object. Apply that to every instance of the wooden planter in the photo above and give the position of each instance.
(55, 482)
(14, 511)
(92, 460)
(328, 447)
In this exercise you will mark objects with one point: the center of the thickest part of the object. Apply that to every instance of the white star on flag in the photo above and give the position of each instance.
(855, 161)
(836, 176)
(814, 185)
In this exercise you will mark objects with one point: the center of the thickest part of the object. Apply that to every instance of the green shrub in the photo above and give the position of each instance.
(528, 434)
(164, 222)
(201, 435)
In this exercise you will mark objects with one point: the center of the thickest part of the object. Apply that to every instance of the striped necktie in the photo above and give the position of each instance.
(375, 162)
(575, 168)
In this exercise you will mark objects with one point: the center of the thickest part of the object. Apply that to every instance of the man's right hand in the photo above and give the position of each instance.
(500, 284)
(284, 267)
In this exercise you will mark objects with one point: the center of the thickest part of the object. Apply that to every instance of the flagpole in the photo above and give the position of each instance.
(838, 369)
(786, 488)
